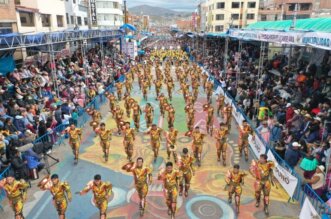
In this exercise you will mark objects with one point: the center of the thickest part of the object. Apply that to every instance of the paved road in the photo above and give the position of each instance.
(207, 198)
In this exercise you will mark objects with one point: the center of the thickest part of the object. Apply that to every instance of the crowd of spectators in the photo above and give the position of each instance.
(35, 99)
(289, 101)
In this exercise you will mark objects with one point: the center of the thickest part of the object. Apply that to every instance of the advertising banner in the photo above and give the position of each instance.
(284, 177)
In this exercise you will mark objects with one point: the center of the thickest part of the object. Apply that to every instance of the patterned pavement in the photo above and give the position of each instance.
(207, 198)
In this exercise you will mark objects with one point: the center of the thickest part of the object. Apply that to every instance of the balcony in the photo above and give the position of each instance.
(269, 11)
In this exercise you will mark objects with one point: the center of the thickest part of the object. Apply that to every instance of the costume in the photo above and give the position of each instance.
(105, 138)
(170, 186)
(149, 112)
(16, 194)
(61, 194)
(244, 132)
(263, 174)
(171, 143)
(75, 136)
(129, 137)
(234, 181)
(197, 145)
(141, 175)
(221, 145)
(185, 164)
(101, 193)
(155, 141)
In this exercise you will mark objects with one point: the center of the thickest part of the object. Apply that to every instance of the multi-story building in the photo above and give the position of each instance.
(184, 25)
(8, 23)
(271, 10)
(322, 8)
(76, 14)
(40, 15)
(145, 22)
(109, 13)
(223, 14)
(202, 14)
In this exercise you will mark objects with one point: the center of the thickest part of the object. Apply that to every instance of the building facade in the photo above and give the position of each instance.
(8, 22)
(271, 10)
(202, 14)
(77, 14)
(223, 14)
(109, 13)
(321, 8)
(40, 16)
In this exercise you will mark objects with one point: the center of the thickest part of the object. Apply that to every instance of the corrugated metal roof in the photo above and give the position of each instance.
(311, 24)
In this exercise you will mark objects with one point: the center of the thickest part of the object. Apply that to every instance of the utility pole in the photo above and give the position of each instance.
(89, 17)
(125, 15)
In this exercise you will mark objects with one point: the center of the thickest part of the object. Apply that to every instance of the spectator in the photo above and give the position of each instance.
(264, 131)
(317, 181)
(33, 160)
(308, 164)
(19, 166)
(292, 154)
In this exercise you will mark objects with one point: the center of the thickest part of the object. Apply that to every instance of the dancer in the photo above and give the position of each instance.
(16, 193)
(142, 177)
(171, 137)
(221, 136)
(262, 171)
(105, 138)
(244, 131)
(102, 192)
(59, 190)
(155, 134)
(185, 164)
(129, 138)
(171, 179)
(75, 137)
(234, 179)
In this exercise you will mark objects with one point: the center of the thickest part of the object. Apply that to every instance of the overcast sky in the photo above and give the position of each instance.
(178, 5)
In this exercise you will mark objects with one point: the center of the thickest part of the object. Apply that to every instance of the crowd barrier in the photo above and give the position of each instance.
(290, 180)
(56, 137)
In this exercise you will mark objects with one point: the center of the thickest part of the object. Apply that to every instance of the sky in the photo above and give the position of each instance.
(178, 5)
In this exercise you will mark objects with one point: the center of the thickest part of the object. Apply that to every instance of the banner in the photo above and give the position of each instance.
(283, 176)
(315, 39)
(318, 40)
(268, 36)
(93, 13)
(256, 145)
(308, 211)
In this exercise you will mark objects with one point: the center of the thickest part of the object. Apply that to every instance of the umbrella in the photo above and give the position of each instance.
(128, 26)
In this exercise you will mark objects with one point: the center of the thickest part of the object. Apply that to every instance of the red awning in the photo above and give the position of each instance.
(26, 9)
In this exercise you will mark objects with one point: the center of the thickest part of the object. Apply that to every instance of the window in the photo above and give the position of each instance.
(250, 16)
(263, 17)
(27, 19)
(67, 18)
(220, 5)
(305, 6)
(4, 2)
(45, 20)
(85, 21)
(59, 20)
(234, 16)
(251, 4)
(219, 17)
(72, 19)
(6, 28)
(291, 7)
(79, 20)
(219, 28)
(74, 1)
(235, 5)
(115, 4)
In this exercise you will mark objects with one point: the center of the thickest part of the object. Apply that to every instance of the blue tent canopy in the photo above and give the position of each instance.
(128, 26)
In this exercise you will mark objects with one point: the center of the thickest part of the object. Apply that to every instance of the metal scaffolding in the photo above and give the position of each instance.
(19, 41)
